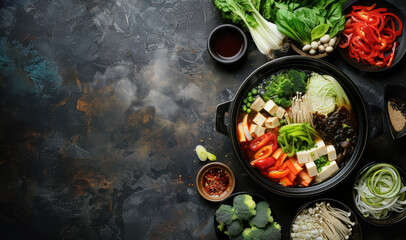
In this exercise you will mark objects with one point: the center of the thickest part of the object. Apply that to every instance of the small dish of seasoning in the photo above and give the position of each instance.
(395, 109)
(215, 181)
(227, 44)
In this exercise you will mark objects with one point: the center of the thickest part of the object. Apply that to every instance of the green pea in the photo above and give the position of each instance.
(254, 91)
(245, 100)
(248, 110)
(250, 94)
(244, 108)
(248, 104)
(250, 99)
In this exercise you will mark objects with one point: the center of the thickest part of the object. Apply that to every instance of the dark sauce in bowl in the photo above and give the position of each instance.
(227, 43)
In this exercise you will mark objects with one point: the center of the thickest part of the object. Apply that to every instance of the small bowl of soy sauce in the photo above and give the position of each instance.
(227, 44)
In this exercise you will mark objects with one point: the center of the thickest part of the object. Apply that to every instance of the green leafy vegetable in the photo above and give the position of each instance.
(246, 13)
(305, 20)
(282, 86)
(325, 93)
(321, 162)
(319, 31)
(296, 137)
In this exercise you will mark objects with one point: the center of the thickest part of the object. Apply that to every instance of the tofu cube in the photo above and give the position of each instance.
(258, 104)
(331, 153)
(311, 169)
(272, 122)
(253, 128)
(259, 119)
(326, 172)
(312, 154)
(321, 148)
(260, 131)
(280, 112)
(302, 157)
(271, 107)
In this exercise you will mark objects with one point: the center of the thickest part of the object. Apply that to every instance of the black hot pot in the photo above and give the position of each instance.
(305, 63)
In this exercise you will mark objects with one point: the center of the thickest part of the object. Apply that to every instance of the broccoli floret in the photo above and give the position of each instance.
(276, 225)
(271, 232)
(298, 79)
(220, 227)
(225, 214)
(235, 228)
(284, 102)
(253, 233)
(263, 216)
(244, 207)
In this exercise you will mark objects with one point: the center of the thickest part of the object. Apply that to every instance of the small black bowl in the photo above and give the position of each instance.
(392, 91)
(229, 200)
(394, 217)
(400, 51)
(227, 44)
(356, 229)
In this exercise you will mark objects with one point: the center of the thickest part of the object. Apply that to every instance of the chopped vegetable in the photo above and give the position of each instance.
(263, 152)
(296, 137)
(283, 85)
(263, 216)
(262, 140)
(244, 206)
(370, 35)
(265, 163)
(201, 153)
(225, 214)
(321, 162)
(325, 93)
(306, 21)
(380, 191)
(245, 13)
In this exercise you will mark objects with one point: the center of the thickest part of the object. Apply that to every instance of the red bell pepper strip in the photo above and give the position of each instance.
(263, 152)
(261, 141)
(265, 163)
(278, 174)
(370, 35)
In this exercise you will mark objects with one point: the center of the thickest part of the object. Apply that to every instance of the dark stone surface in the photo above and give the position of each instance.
(102, 103)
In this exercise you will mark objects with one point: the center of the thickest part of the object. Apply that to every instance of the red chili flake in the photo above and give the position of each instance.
(190, 176)
(216, 181)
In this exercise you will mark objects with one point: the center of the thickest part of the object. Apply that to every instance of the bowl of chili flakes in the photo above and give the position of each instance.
(215, 181)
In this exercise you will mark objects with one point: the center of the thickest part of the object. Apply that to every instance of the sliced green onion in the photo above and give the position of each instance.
(201, 153)
(380, 191)
(211, 156)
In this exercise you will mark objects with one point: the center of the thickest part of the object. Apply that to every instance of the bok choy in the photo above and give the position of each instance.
(246, 13)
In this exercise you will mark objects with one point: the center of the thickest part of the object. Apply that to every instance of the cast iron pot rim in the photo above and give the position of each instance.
(349, 166)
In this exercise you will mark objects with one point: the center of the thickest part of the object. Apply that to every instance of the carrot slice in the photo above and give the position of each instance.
(277, 153)
(286, 182)
(292, 168)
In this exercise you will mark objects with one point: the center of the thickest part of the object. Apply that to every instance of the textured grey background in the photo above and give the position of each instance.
(102, 103)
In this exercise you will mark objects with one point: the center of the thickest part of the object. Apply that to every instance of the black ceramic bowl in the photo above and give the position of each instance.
(394, 217)
(227, 44)
(400, 51)
(229, 200)
(399, 92)
(356, 229)
(304, 63)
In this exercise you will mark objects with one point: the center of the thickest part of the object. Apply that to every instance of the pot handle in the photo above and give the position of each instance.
(221, 111)
(375, 121)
